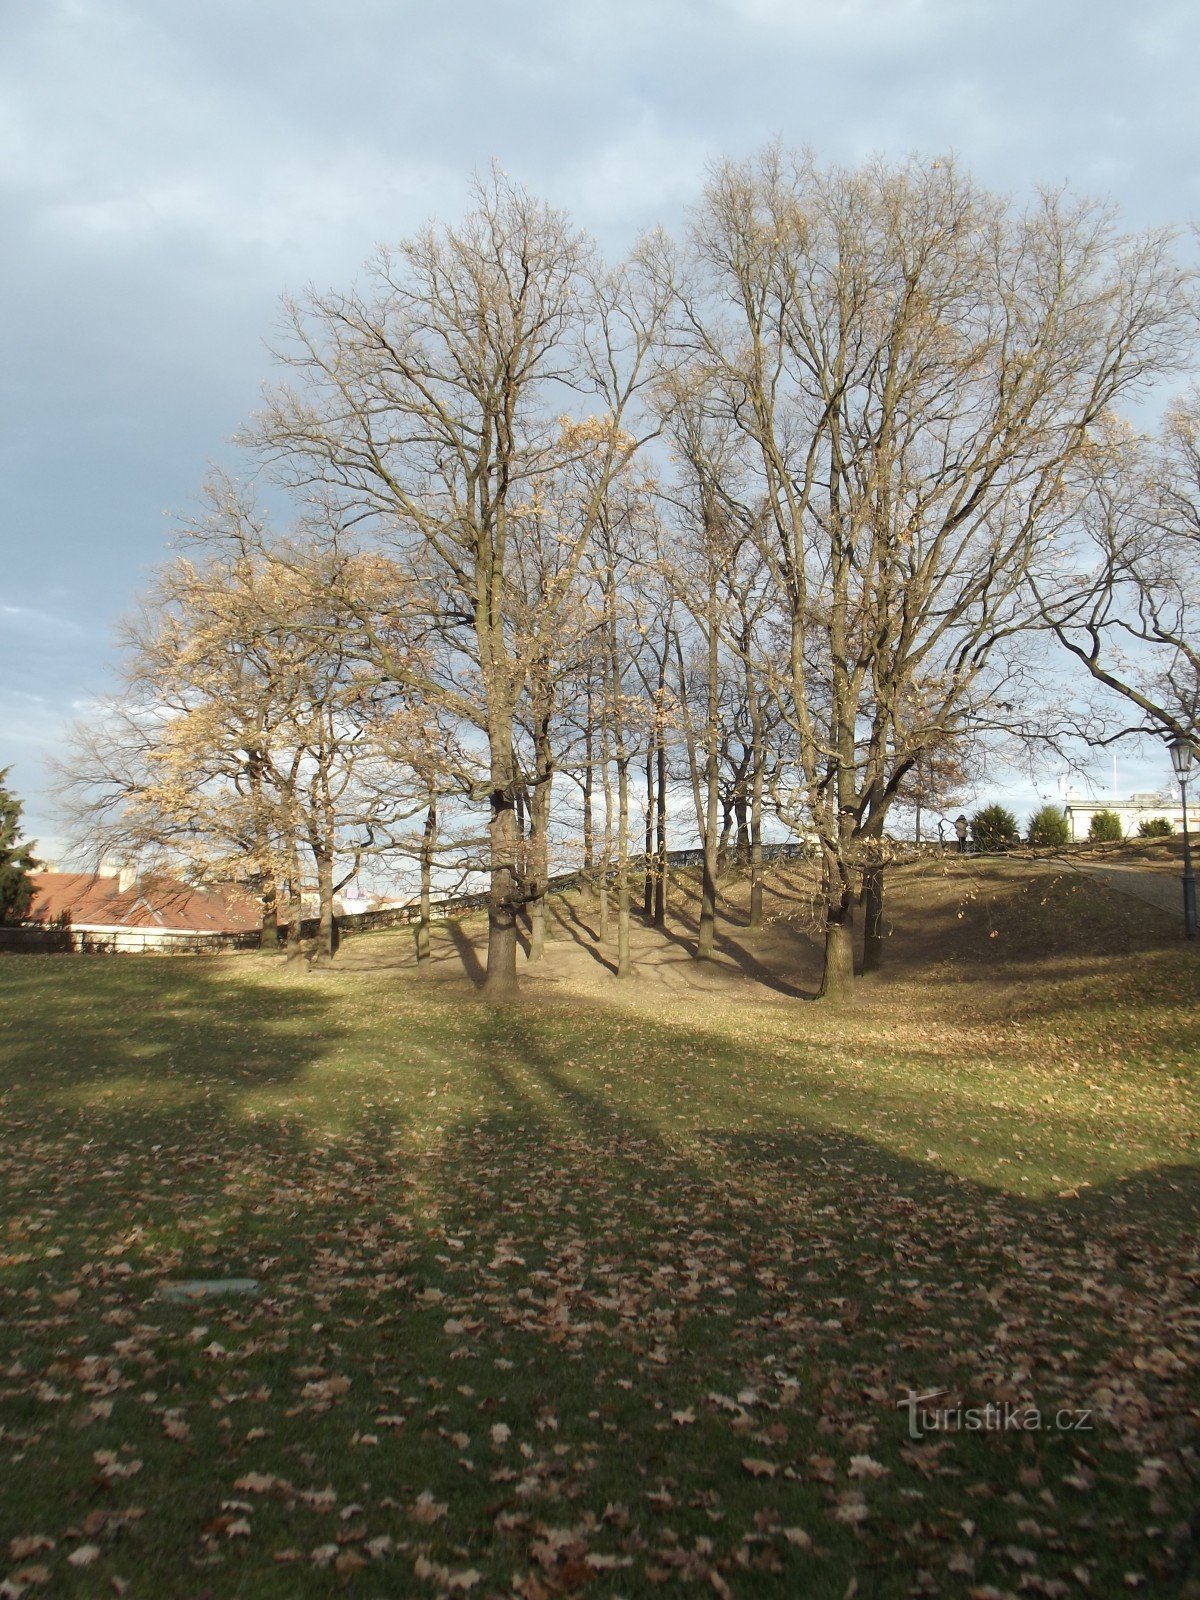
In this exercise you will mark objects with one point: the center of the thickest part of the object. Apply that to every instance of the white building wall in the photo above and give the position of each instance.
(1138, 808)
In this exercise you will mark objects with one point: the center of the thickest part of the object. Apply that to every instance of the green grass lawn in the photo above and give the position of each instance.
(603, 1296)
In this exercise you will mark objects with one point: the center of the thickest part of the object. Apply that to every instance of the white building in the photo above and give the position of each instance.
(1137, 809)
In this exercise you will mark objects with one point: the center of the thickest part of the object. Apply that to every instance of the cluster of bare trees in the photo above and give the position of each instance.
(776, 517)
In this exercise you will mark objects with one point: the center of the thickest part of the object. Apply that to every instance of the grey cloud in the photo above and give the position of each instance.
(167, 170)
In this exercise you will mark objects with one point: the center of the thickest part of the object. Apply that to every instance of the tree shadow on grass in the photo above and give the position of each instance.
(722, 1258)
(78, 1021)
(463, 943)
(633, 1271)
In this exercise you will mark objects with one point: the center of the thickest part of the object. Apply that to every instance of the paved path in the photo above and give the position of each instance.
(1161, 889)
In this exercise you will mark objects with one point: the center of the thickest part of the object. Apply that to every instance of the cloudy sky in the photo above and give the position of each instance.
(168, 168)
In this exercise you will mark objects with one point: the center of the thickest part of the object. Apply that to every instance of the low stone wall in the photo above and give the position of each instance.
(122, 941)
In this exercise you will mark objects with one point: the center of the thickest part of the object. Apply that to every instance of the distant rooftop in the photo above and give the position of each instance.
(95, 900)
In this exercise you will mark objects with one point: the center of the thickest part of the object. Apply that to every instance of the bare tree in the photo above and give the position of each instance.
(430, 403)
(1123, 596)
(910, 369)
(247, 723)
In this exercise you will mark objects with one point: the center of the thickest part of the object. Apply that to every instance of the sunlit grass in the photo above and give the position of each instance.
(585, 1220)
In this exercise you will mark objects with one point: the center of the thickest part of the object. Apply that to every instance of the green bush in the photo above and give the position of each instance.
(1048, 827)
(994, 829)
(1155, 828)
(1105, 828)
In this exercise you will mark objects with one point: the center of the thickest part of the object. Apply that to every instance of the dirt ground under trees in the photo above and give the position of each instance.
(948, 919)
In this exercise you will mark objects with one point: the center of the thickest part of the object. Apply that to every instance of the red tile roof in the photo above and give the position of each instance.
(92, 901)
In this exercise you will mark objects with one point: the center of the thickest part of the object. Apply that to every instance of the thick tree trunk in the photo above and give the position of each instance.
(538, 864)
(710, 870)
(589, 826)
(837, 980)
(295, 924)
(723, 837)
(660, 876)
(741, 844)
(624, 957)
(706, 937)
(522, 857)
(327, 937)
(500, 984)
(268, 899)
(428, 845)
(648, 884)
(606, 847)
(712, 859)
(873, 917)
(756, 854)
(268, 885)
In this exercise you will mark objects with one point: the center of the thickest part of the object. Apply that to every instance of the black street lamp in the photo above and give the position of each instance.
(1183, 753)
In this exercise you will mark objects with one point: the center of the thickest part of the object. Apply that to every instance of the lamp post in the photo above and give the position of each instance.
(1183, 754)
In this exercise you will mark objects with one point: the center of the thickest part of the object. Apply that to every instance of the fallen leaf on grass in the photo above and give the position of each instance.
(427, 1509)
(325, 1389)
(84, 1556)
(866, 1467)
(758, 1468)
(28, 1545)
(256, 1482)
(22, 1578)
(851, 1507)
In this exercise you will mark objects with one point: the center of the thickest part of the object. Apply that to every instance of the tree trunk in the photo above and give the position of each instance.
(706, 937)
(606, 847)
(522, 857)
(712, 860)
(648, 884)
(327, 923)
(268, 899)
(538, 862)
(660, 876)
(295, 932)
(706, 796)
(589, 826)
(837, 980)
(756, 851)
(873, 915)
(268, 884)
(723, 836)
(500, 984)
(624, 958)
(428, 845)
(741, 843)
(710, 871)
